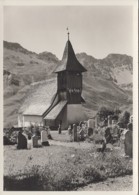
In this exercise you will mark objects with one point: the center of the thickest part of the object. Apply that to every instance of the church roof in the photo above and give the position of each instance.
(69, 61)
(39, 97)
(53, 114)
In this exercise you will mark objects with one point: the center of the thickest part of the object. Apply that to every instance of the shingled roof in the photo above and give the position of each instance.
(56, 110)
(69, 61)
(39, 97)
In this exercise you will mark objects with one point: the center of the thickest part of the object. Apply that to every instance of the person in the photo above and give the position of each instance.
(59, 127)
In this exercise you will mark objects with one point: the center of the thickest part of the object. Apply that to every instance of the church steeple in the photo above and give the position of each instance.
(69, 61)
(69, 76)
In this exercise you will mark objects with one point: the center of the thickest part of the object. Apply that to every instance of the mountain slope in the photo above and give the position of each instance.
(115, 67)
(22, 67)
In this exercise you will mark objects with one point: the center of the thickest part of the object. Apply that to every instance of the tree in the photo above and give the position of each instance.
(124, 118)
(104, 112)
(117, 111)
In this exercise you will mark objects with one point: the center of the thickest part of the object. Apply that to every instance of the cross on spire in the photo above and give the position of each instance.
(68, 33)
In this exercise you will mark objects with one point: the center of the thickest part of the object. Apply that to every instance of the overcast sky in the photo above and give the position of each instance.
(96, 30)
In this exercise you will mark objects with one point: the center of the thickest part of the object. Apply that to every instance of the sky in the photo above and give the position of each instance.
(95, 30)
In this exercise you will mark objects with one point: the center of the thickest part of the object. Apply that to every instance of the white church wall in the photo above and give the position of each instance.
(27, 121)
(75, 113)
(63, 117)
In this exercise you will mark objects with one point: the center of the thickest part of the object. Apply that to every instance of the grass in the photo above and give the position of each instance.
(63, 137)
(59, 168)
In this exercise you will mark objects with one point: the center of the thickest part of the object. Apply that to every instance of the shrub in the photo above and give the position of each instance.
(124, 118)
(93, 175)
(104, 112)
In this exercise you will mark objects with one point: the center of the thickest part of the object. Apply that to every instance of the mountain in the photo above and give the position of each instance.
(115, 67)
(107, 82)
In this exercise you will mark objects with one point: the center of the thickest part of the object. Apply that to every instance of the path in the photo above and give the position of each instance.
(72, 144)
(79, 145)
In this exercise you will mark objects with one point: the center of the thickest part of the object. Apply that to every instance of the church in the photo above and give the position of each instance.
(59, 100)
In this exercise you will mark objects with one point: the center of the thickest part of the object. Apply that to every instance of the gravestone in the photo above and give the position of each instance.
(109, 120)
(131, 119)
(96, 121)
(35, 141)
(116, 131)
(90, 131)
(21, 141)
(114, 122)
(91, 123)
(128, 143)
(130, 126)
(122, 138)
(75, 132)
(69, 130)
(59, 129)
(107, 135)
(91, 126)
(44, 138)
(81, 134)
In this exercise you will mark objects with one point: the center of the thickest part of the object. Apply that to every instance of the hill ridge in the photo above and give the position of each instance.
(101, 83)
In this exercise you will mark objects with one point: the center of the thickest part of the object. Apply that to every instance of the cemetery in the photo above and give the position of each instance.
(38, 158)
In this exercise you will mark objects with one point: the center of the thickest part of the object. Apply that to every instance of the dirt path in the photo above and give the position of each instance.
(79, 145)
(111, 184)
(71, 144)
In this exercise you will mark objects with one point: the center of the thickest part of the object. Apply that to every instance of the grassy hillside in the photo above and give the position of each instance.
(23, 67)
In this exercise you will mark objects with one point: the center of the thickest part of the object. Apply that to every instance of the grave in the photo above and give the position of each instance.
(81, 135)
(109, 120)
(91, 126)
(130, 126)
(21, 141)
(75, 132)
(44, 138)
(128, 143)
(34, 141)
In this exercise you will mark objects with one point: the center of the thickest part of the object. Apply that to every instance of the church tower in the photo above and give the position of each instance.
(69, 83)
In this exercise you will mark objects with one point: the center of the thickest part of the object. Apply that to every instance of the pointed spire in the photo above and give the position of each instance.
(69, 61)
